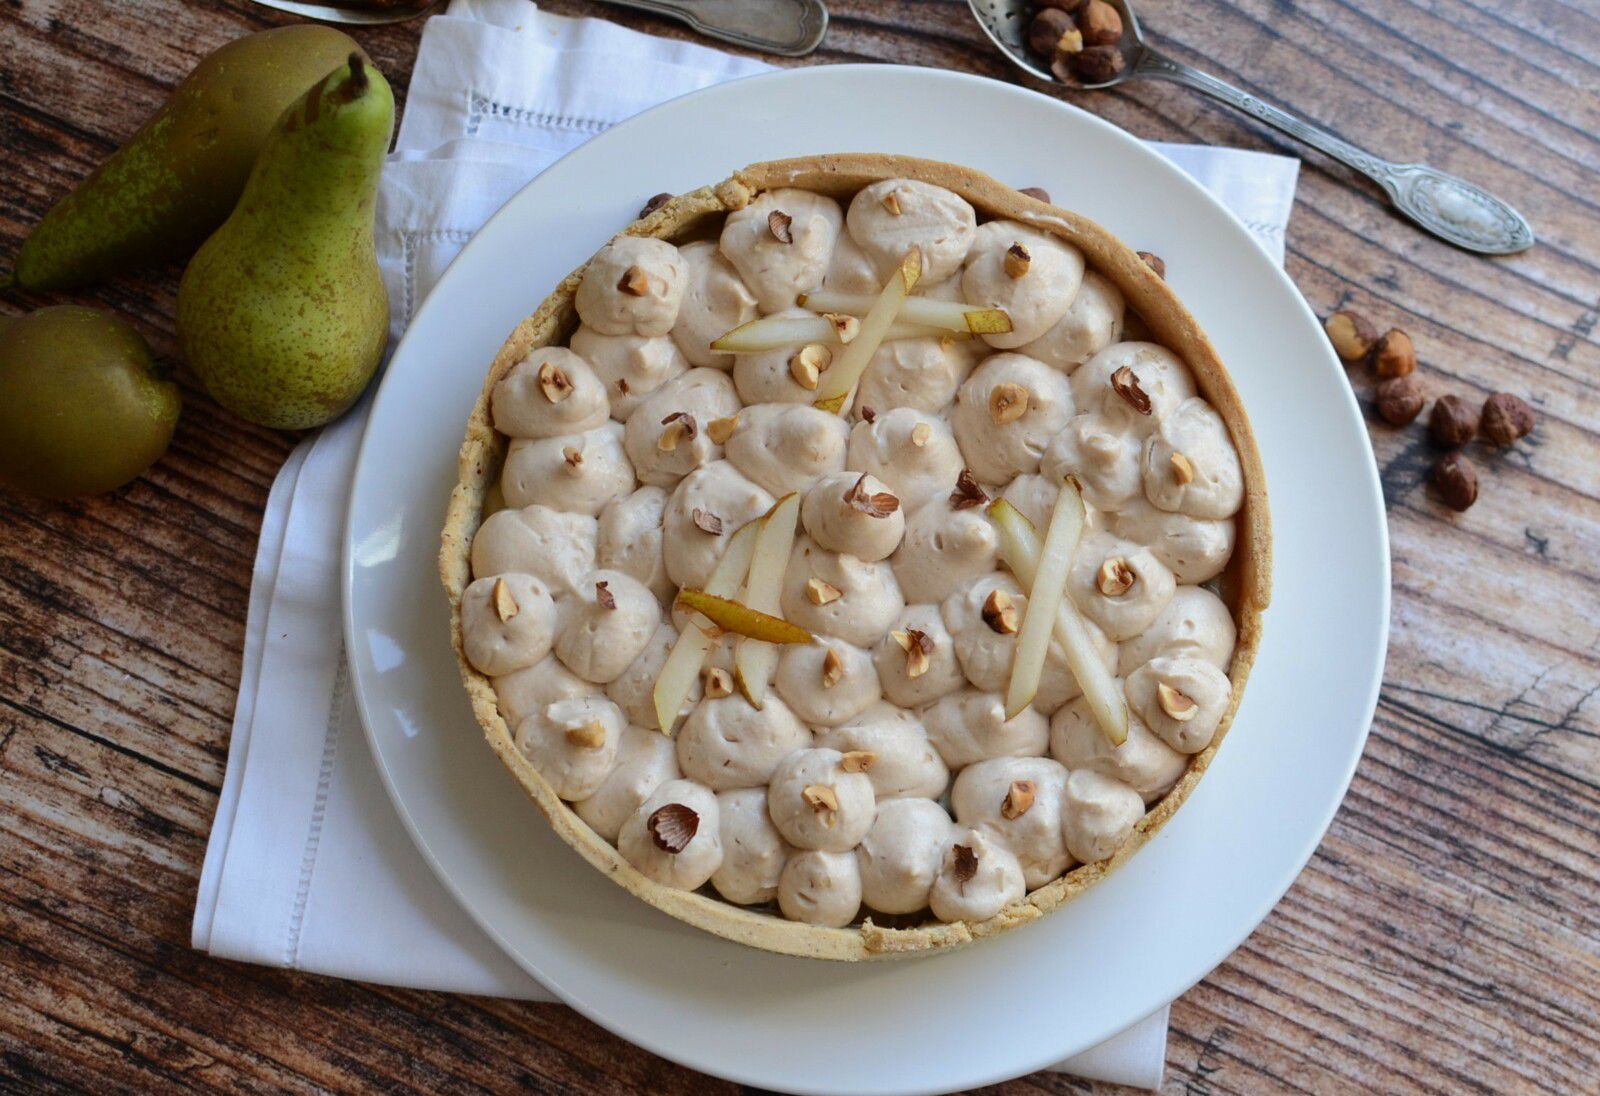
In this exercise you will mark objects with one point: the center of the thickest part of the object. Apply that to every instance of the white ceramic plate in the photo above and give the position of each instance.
(1031, 997)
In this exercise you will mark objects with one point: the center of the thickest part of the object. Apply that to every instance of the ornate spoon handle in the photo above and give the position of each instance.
(791, 28)
(1450, 208)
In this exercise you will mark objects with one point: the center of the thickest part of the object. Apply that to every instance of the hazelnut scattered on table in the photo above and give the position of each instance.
(1351, 333)
(1456, 481)
(1394, 354)
(1454, 421)
(1400, 400)
(1505, 418)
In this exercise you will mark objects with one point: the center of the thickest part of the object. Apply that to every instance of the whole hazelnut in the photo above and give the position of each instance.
(1100, 24)
(1505, 419)
(1098, 64)
(1400, 400)
(1456, 481)
(655, 203)
(1045, 32)
(1351, 333)
(1454, 421)
(1393, 355)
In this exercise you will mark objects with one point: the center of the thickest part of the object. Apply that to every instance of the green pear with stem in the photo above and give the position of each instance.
(159, 196)
(282, 314)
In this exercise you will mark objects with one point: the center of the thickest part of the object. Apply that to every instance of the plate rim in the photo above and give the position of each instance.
(349, 571)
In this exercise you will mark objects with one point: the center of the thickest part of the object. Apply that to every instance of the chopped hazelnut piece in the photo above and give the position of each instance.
(603, 595)
(1039, 193)
(554, 382)
(946, 342)
(720, 430)
(1000, 612)
(1125, 383)
(1174, 703)
(505, 605)
(635, 282)
(590, 736)
(1019, 797)
(1182, 469)
(891, 202)
(822, 593)
(1115, 578)
(1017, 260)
(846, 327)
(879, 504)
(832, 668)
(920, 434)
(781, 225)
(857, 761)
(680, 427)
(718, 683)
(824, 800)
(572, 455)
(673, 826)
(917, 645)
(1008, 402)
(868, 415)
(1154, 262)
(808, 363)
(705, 521)
(967, 493)
(655, 203)
(966, 866)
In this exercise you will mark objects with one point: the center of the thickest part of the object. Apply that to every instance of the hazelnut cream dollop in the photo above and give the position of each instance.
(715, 301)
(630, 367)
(889, 217)
(753, 852)
(632, 287)
(675, 837)
(787, 447)
(781, 244)
(551, 391)
(1006, 414)
(1033, 276)
(912, 452)
(900, 856)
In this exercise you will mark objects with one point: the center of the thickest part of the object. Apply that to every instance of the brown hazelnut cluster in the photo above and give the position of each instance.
(1079, 39)
(1399, 399)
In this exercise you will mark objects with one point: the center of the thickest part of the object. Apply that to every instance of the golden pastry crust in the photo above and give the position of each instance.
(1245, 584)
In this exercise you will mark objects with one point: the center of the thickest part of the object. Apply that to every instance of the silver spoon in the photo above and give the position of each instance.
(1450, 208)
(789, 28)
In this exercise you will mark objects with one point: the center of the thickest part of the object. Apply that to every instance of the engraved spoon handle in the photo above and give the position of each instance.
(790, 28)
(1450, 208)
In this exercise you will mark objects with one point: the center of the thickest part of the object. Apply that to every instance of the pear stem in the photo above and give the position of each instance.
(358, 77)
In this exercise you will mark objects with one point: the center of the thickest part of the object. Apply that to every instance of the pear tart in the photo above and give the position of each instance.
(859, 557)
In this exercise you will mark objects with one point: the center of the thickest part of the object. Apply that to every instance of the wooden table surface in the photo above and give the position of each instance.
(1443, 939)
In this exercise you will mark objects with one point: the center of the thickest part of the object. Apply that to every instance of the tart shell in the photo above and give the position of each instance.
(1245, 585)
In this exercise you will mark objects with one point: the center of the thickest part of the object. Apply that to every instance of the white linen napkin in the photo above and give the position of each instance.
(305, 844)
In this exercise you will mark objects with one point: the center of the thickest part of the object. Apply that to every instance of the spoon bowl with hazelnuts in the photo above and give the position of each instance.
(1096, 44)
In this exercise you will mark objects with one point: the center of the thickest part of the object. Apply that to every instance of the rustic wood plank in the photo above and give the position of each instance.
(1443, 938)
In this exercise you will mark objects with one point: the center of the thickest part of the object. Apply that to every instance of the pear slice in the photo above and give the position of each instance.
(951, 317)
(1021, 549)
(755, 659)
(739, 618)
(776, 332)
(833, 392)
(700, 635)
(1046, 593)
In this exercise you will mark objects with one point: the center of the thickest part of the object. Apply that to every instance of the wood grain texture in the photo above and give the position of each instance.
(1444, 937)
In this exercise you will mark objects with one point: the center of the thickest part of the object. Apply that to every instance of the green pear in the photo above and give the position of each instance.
(83, 408)
(282, 314)
(159, 196)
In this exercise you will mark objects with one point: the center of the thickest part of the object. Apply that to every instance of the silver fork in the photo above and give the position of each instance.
(789, 28)
(1450, 208)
